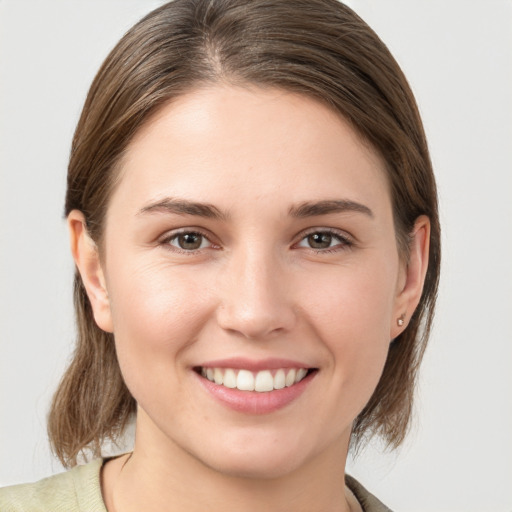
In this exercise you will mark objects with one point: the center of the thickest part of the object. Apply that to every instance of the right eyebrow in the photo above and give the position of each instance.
(325, 207)
(184, 207)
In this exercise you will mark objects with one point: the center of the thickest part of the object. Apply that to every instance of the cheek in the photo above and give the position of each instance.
(358, 301)
(156, 314)
(351, 313)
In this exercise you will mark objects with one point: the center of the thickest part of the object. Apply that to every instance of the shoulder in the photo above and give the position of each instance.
(77, 490)
(368, 501)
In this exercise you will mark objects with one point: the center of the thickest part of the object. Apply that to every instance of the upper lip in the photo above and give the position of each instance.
(241, 363)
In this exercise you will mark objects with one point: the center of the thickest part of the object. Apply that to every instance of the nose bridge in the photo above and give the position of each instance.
(254, 301)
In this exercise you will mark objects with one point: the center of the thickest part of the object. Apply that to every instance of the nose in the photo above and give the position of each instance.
(255, 297)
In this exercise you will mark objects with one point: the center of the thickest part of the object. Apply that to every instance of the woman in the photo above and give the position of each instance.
(253, 218)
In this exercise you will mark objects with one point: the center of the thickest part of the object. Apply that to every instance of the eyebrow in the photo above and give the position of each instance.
(312, 209)
(302, 210)
(183, 207)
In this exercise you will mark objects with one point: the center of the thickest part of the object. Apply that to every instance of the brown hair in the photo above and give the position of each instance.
(319, 48)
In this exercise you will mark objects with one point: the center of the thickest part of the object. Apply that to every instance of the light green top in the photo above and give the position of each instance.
(79, 490)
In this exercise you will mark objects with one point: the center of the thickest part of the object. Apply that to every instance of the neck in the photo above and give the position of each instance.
(158, 474)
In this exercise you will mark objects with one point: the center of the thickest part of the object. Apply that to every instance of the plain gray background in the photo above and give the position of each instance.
(457, 55)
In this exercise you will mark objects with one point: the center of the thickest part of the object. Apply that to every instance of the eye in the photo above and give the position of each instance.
(321, 240)
(188, 241)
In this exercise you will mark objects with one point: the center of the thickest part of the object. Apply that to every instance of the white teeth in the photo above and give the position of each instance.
(290, 378)
(245, 380)
(229, 378)
(301, 373)
(279, 380)
(262, 381)
(218, 376)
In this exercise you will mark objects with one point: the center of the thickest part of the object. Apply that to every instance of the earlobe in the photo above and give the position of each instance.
(87, 260)
(411, 285)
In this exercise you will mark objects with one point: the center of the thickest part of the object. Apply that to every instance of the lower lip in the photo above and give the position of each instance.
(254, 402)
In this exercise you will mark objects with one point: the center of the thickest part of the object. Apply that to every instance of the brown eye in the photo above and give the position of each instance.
(320, 240)
(323, 240)
(189, 241)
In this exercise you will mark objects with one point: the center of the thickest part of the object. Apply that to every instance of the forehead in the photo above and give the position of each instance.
(252, 143)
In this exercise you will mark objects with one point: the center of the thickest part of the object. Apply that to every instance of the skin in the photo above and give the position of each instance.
(255, 289)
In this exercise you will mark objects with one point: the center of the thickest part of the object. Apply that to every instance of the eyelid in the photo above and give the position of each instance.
(345, 238)
(173, 233)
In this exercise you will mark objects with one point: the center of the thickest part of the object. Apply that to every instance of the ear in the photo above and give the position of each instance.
(87, 259)
(412, 276)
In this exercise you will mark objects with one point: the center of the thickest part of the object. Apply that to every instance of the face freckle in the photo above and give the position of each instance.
(251, 227)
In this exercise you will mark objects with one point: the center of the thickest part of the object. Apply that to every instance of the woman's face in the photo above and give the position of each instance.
(250, 241)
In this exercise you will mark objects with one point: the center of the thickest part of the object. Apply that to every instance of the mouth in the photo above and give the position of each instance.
(251, 386)
(262, 381)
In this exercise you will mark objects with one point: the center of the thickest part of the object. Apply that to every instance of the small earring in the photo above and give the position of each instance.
(400, 321)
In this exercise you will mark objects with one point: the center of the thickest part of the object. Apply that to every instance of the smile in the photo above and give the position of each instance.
(255, 387)
(260, 381)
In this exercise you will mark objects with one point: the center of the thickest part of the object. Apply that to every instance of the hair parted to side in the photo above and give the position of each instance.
(319, 48)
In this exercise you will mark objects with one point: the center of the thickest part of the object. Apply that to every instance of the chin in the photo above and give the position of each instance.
(264, 467)
(257, 458)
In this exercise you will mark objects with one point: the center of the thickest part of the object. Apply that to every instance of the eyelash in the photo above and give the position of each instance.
(166, 242)
(345, 242)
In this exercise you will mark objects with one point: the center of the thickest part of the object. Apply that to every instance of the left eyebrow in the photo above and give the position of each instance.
(184, 207)
(312, 209)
